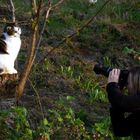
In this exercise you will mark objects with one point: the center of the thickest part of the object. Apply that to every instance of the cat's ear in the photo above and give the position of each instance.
(8, 28)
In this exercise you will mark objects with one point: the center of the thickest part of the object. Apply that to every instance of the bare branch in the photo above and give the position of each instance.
(12, 9)
(34, 6)
(20, 23)
(5, 21)
(43, 28)
(27, 67)
(32, 53)
(90, 20)
(28, 64)
(38, 98)
(80, 29)
(57, 4)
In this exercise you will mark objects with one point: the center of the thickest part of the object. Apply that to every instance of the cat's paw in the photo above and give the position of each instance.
(14, 71)
(11, 71)
(8, 71)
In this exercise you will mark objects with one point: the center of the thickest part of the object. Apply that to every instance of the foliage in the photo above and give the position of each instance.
(127, 50)
(103, 128)
(44, 130)
(66, 71)
(65, 122)
(95, 92)
(61, 123)
(14, 124)
(107, 61)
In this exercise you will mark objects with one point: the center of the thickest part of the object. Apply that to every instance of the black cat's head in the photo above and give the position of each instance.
(12, 29)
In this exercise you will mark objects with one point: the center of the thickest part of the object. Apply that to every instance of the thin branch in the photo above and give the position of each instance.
(57, 4)
(12, 9)
(5, 21)
(34, 6)
(89, 21)
(38, 98)
(43, 28)
(32, 52)
(27, 22)
(77, 32)
(27, 67)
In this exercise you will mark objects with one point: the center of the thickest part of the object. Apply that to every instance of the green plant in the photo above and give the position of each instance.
(103, 128)
(131, 51)
(97, 95)
(95, 92)
(107, 61)
(46, 65)
(14, 124)
(67, 71)
(127, 50)
(65, 123)
(44, 130)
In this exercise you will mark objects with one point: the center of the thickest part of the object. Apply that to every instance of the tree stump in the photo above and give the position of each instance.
(8, 83)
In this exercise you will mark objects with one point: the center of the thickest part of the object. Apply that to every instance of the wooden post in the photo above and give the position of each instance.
(8, 83)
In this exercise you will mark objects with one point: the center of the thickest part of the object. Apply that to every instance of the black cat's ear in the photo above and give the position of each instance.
(8, 28)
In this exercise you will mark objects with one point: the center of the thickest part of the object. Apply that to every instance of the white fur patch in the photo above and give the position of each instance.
(13, 46)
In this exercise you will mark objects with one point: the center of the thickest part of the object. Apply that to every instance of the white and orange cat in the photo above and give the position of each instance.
(10, 44)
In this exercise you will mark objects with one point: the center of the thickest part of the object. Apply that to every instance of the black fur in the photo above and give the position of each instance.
(1, 70)
(3, 37)
(9, 29)
(3, 47)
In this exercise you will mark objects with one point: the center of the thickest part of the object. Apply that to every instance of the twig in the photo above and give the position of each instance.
(24, 22)
(38, 98)
(57, 4)
(32, 52)
(12, 9)
(5, 21)
(43, 28)
(80, 29)
(28, 64)
(34, 6)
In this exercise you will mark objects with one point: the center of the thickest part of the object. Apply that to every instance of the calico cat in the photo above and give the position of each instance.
(10, 44)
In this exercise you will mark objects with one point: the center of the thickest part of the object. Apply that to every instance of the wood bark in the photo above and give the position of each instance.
(8, 83)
